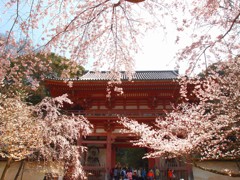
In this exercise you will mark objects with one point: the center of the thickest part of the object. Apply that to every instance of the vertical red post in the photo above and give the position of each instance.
(151, 161)
(114, 155)
(157, 162)
(108, 154)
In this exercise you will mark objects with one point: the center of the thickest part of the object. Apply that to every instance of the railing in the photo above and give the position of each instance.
(115, 113)
(180, 170)
(180, 174)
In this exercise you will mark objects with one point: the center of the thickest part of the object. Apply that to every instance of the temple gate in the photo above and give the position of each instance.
(147, 96)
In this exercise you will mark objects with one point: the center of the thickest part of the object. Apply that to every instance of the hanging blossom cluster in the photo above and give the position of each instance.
(213, 28)
(206, 129)
(20, 68)
(19, 129)
(61, 134)
(106, 31)
(42, 133)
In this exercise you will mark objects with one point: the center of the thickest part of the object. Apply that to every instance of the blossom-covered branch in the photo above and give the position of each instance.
(206, 129)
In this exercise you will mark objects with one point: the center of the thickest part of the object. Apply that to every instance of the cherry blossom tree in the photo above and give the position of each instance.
(109, 31)
(42, 133)
(215, 24)
(19, 129)
(61, 133)
(207, 129)
(51, 65)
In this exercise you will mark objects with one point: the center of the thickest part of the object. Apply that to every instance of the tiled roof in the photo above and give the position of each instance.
(138, 75)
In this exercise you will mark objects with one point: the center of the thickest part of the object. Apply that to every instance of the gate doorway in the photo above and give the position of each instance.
(132, 157)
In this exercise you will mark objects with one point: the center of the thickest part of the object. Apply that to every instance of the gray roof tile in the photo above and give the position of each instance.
(138, 75)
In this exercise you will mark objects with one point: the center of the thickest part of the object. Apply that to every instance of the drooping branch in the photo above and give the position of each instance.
(231, 26)
(14, 22)
(20, 169)
(7, 166)
(220, 38)
(75, 18)
(135, 1)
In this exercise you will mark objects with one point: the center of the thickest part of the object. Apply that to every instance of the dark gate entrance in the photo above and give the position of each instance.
(131, 157)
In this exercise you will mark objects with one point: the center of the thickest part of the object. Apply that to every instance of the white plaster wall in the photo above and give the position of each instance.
(205, 175)
(27, 175)
(31, 171)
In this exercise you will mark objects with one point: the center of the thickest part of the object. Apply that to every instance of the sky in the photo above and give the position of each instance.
(157, 52)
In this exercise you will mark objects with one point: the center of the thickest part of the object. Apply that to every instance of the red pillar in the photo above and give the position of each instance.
(157, 162)
(113, 156)
(79, 139)
(108, 154)
(151, 161)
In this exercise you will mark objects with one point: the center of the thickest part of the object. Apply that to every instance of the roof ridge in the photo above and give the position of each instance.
(103, 71)
(138, 75)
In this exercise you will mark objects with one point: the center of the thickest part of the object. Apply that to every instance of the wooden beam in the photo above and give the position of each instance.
(93, 142)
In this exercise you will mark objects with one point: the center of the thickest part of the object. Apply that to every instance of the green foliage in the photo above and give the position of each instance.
(212, 68)
(26, 73)
(132, 157)
(60, 64)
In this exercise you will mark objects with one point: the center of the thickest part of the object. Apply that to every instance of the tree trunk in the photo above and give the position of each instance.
(19, 169)
(23, 170)
(8, 164)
